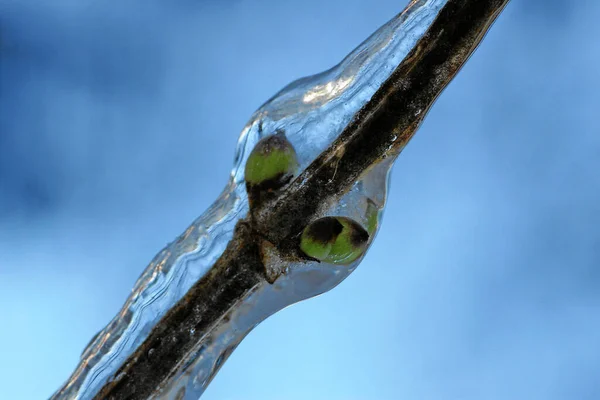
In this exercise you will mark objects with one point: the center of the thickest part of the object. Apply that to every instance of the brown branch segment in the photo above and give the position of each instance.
(233, 276)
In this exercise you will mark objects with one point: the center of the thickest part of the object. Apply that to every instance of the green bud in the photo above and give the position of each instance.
(334, 240)
(271, 164)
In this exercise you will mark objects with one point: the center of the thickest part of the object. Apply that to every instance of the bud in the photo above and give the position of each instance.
(271, 164)
(334, 240)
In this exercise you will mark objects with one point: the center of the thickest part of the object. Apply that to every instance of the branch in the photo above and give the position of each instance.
(262, 268)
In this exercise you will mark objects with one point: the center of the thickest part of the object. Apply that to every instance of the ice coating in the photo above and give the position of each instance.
(166, 279)
(312, 111)
(299, 282)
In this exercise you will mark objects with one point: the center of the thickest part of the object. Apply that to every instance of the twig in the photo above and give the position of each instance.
(378, 131)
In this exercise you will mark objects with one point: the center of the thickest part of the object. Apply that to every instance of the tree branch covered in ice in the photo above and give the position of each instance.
(302, 206)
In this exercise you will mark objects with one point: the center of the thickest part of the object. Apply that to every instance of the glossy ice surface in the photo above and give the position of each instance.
(312, 112)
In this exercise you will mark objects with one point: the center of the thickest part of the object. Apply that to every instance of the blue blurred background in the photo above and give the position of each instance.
(118, 126)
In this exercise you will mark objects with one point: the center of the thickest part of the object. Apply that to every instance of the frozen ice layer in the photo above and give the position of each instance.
(247, 274)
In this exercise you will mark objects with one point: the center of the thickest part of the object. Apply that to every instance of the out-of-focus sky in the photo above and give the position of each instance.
(118, 122)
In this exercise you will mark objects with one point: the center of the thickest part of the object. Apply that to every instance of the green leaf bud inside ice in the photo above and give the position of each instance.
(334, 240)
(272, 163)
